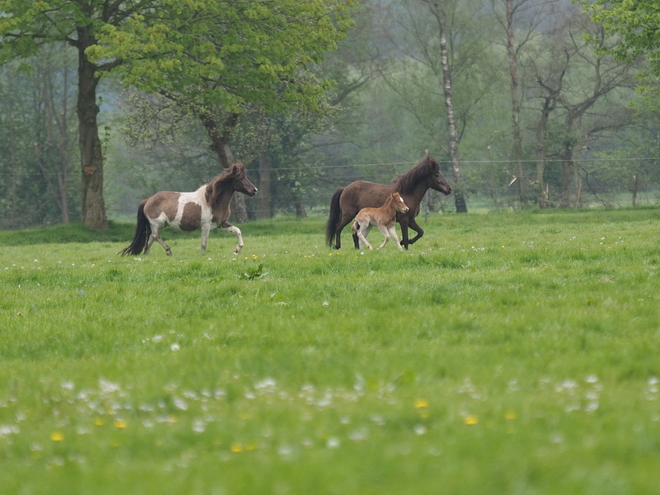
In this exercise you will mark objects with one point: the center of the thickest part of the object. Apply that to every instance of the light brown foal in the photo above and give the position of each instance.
(383, 218)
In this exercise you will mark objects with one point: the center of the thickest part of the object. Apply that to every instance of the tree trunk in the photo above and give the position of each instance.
(301, 210)
(635, 188)
(91, 155)
(516, 152)
(13, 220)
(459, 194)
(549, 105)
(263, 199)
(62, 176)
(566, 169)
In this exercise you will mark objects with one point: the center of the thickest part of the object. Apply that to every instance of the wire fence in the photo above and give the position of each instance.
(487, 184)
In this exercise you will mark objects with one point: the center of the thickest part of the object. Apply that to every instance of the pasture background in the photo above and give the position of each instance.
(503, 353)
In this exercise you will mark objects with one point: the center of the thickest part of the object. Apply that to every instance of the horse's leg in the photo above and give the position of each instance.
(404, 232)
(385, 233)
(355, 228)
(392, 230)
(155, 236)
(167, 249)
(206, 228)
(237, 232)
(361, 236)
(420, 232)
(356, 240)
(345, 220)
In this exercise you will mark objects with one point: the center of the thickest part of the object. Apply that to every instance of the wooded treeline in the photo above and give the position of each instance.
(524, 102)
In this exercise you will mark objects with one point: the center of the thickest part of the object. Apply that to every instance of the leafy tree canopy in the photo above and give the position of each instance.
(636, 21)
(218, 53)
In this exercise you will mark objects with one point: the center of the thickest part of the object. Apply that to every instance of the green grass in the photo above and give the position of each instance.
(502, 354)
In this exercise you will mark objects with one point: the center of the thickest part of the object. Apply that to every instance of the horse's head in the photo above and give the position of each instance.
(399, 204)
(240, 182)
(436, 180)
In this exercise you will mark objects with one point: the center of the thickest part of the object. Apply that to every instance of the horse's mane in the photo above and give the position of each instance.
(425, 167)
(220, 183)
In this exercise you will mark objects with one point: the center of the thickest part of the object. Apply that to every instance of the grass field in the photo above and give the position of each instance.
(501, 354)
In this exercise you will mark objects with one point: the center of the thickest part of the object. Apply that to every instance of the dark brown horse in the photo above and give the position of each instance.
(205, 209)
(348, 201)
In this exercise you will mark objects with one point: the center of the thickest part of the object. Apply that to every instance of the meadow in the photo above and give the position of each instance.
(501, 354)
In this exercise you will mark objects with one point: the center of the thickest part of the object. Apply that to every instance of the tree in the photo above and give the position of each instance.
(36, 147)
(228, 52)
(520, 20)
(218, 59)
(635, 24)
(438, 52)
(25, 26)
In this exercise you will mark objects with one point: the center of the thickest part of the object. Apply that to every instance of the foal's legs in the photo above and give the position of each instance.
(392, 230)
(385, 233)
(361, 231)
(237, 232)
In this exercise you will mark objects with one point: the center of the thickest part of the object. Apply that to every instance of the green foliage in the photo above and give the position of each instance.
(225, 54)
(499, 352)
(252, 273)
(634, 23)
(38, 142)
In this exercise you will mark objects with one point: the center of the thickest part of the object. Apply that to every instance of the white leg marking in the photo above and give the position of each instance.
(205, 236)
(236, 231)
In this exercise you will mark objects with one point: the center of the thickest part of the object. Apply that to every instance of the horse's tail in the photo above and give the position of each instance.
(334, 218)
(142, 233)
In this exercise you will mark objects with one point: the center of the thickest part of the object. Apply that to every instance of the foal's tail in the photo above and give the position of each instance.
(334, 218)
(142, 233)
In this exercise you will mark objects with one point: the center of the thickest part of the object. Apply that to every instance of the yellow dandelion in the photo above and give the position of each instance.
(98, 421)
(510, 415)
(236, 448)
(421, 403)
(172, 419)
(470, 419)
(120, 424)
(57, 436)
(329, 254)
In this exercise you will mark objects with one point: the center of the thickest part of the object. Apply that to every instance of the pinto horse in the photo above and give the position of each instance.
(383, 218)
(348, 201)
(205, 209)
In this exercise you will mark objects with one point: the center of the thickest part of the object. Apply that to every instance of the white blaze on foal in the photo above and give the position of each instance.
(383, 218)
(205, 209)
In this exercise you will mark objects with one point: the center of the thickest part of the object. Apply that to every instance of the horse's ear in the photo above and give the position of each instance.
(427, 153)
